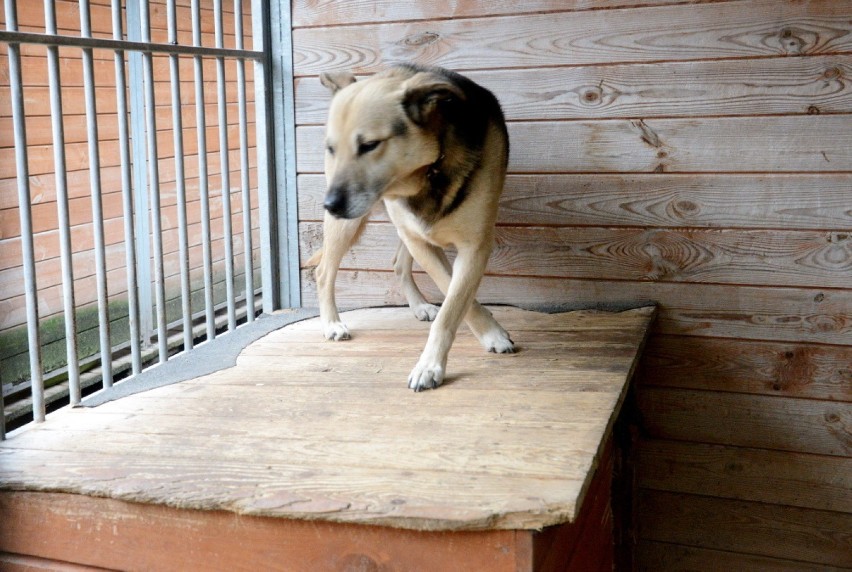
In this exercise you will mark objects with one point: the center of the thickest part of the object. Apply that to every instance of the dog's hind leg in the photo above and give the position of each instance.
(402, 262)
(338, 236)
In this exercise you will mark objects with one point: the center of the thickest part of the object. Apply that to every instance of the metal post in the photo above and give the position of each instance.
(25, 213)
(225, 167)
(201, 129)
(154, 178)
(60, 176)
(126, 194)
(180, 180)
(244, 163)
(97, 207)
(140, 180)
(283, 213)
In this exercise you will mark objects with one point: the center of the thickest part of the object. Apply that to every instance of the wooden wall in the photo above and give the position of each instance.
(41, 167)
(696, 154)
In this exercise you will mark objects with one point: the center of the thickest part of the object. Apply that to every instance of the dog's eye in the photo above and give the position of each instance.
(365, 148)
(330, 150)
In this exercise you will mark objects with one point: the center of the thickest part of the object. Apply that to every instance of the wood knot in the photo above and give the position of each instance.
(813, 110)
(831, 73)
(421, 39)
(359, 562)
(591, 96)
(791, 43)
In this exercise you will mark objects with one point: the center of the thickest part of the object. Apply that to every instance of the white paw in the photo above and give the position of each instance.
(425, 312)
(335, 331)
(425, 376)
(498, 341)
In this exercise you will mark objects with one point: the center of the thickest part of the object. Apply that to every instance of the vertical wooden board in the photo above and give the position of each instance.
(128, 536)
(752, 528)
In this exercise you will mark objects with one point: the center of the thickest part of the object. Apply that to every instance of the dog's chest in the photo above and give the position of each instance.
(408, 222)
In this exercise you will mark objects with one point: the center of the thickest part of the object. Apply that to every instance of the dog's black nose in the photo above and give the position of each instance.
(336, 203)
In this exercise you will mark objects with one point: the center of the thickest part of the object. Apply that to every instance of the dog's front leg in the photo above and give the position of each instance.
(338, 237)
(467, 273)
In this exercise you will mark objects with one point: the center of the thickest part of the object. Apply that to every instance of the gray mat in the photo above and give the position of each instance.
(209, 358)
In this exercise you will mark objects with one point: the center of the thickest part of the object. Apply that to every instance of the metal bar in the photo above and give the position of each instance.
(180, 179)
(224, 160)
(97, 207)
(284, 122)
(154, 186)
(126, 194)
(142, 209)
(269, 267)
(201, 129)
(25, 213)
(244, 162)
(126, 45)
(60, 176)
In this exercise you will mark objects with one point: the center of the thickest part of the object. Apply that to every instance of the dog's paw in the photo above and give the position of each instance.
(498, 341)
(425, 312)
(425, 376)
(335, 331)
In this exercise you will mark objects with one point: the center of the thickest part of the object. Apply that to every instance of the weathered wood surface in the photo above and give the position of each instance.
(679, 558)
(127, 536)
(803, 480)
(685, 32)
(654, 200)
(706, 310)
(667, 89)
(509, 442)
(757, 257)
(768, 530)
(338, 12)
(730, 144)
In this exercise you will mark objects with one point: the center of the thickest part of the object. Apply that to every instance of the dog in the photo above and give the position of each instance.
(432, 145)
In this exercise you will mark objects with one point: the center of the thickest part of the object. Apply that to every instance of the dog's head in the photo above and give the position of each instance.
(381, 132)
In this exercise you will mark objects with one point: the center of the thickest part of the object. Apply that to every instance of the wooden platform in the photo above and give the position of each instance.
(303, 429)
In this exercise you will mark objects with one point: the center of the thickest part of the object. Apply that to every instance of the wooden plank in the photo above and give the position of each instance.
(784, 424)
(755, 257)
(128, 536)
(783, 314)
(486, 442)
(655, 200)
(797, 479)
(685, 32)
(336, 12)
(678, 558)
(753, 528)
(766, 368)
(20, 563)
(780, 144)
(668, 89)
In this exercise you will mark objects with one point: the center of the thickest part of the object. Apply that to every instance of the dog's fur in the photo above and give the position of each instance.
(433, 146)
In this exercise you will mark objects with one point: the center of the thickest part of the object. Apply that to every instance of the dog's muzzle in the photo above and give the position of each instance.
(337, 203)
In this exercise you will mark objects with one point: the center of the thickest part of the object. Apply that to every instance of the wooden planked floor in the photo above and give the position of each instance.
(302, 428)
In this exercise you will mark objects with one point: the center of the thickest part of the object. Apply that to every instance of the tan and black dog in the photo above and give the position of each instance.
(432, 145)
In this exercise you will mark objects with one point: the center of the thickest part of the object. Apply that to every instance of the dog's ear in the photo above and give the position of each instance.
(335, 81)
(425, 94)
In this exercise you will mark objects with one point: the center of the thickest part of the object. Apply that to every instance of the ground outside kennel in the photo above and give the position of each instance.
(313, 455)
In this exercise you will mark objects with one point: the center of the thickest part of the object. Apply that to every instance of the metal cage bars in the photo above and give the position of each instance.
(277, 205)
